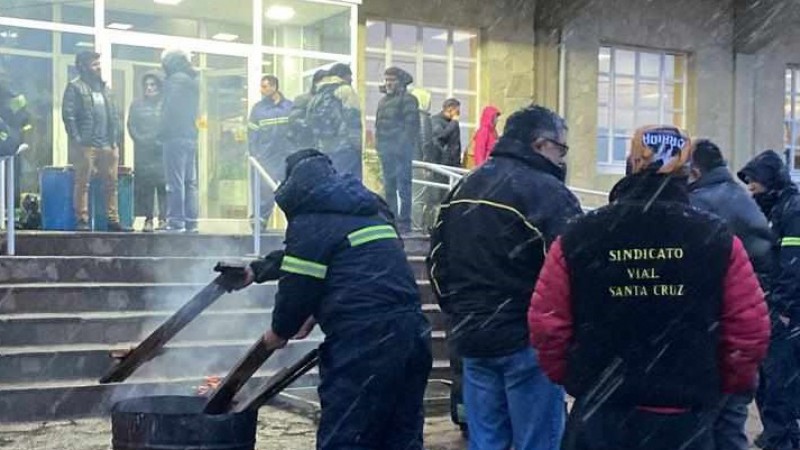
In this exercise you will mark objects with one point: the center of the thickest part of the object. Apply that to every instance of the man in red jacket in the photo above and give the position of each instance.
(648, 311)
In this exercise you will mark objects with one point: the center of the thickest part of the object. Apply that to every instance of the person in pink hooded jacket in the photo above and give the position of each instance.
(486, 136)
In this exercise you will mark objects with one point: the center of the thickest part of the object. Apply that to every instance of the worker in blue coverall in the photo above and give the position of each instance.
(344, 266)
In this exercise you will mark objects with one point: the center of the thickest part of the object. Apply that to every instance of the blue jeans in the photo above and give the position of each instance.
(729, 428)
(180, 165)
(510, 402)
(397, 170)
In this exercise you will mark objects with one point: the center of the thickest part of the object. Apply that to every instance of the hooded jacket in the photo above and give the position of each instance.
(397, 119)
(344, 262)
(425, 146)
(268, 136)
(181, 104)
(144, 116)
(649, 302)
(486, 136)
(78, 111)
(781, 205)
(717, 192)
(347, 132)
(489, 243)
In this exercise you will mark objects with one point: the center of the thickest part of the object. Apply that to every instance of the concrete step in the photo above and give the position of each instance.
(93, 297)
(49, 401)
(82, 269)
(49, 243)
(44, 329)
(40, 364)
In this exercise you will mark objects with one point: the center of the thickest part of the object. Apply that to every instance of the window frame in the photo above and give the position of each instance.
(609, 165)
(791, 118)
(420, 58)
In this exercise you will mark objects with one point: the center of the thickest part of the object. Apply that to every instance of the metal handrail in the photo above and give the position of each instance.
(257, 174)
(8, 201)
(458, 172)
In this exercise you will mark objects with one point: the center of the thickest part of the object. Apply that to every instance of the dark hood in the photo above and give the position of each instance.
(156, 75)
(768, 169)
(175, 61)
(512, 148)
(717, 175)
(649, 186)
(313, 186)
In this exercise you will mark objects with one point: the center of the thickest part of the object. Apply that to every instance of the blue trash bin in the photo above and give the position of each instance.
(56, 188)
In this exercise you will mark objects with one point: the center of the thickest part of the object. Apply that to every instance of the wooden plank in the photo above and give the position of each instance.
(279, 382)
(220, 402)
(152, 345)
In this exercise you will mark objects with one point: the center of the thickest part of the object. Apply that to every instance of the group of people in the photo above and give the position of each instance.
(328, 118)
(166, 150)
(662, 314)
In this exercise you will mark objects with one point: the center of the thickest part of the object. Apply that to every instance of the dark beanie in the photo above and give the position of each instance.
(86, 57)
(297, 157)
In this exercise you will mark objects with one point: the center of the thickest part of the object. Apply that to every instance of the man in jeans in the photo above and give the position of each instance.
(93, 126)
(489, 243)
(397, 134)
(179, 135)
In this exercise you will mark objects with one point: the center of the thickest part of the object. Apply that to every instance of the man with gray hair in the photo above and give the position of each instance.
(487, 248)
(180, 109)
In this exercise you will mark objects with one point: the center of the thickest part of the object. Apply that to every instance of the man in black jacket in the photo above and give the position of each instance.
(778, 394)
(447, 133)
(714, 189)
(93, 126)
(487, 248)
(397, 133)
(144, 121)
(178, 132)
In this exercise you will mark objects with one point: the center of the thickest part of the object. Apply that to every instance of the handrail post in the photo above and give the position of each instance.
(256, 186)
(10, 207)
(2, 191)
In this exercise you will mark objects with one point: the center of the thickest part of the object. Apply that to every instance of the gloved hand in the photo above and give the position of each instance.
(268, 268)
(235, 275)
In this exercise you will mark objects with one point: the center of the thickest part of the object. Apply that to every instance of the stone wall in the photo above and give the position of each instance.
(705, 34)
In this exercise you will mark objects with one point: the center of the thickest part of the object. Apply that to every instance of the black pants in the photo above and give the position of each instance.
(778, 390)
(629, 428)
(149, 178)
(373, 383)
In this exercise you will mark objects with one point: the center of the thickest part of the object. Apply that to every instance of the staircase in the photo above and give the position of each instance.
(74, 297)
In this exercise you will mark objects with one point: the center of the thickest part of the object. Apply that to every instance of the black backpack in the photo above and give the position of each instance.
(325, 112)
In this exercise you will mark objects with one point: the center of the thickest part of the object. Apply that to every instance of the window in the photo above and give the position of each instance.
(636, 88)
(441, 60)
(791, 134)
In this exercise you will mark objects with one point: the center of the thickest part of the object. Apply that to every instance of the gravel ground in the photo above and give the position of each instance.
(277, 430)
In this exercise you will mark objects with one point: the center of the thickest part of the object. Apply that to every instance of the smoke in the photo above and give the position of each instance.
(215, 340)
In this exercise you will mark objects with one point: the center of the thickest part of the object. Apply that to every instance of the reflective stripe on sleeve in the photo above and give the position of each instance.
(299, 266)
(370, 234)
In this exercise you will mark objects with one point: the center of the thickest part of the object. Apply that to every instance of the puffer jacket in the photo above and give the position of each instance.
(716, 191)
(77, 112)
(300, 134)
(781, 205)
(425, 145)
(181, 106)
(397, 120)
(649, 302)
(144, 117)
(344, 261)
(489, 243)
(349, 126)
